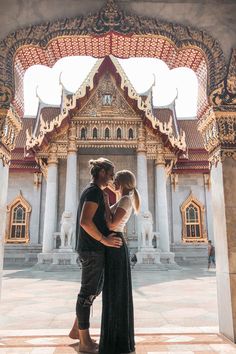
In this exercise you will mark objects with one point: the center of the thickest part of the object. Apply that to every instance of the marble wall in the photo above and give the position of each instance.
(186, 184)
(24, 182)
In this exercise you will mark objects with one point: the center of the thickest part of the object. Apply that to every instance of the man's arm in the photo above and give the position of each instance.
(86, 222)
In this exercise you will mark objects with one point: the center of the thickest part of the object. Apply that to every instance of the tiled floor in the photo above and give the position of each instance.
(175, 312)
(145, 344)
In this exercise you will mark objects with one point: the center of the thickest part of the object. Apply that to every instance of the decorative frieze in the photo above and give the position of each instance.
(10, 126)
(218, 128)
(220, 155)
(142, 147)
(225, 94)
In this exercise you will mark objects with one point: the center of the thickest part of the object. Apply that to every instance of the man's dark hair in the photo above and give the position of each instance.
(100, 164)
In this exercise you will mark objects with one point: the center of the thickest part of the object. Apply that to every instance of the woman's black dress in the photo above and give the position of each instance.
(117, 329)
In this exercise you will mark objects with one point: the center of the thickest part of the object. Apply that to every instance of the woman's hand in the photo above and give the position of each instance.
(112, 241)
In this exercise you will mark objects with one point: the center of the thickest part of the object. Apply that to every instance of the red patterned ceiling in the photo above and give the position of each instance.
(120, 46)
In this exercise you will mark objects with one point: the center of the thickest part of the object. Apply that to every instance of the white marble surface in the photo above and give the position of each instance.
(50, 217)
(142, 179)
(4, 172)
(162, 208)
(71, 183)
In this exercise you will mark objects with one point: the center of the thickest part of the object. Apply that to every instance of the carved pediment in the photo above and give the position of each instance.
(107, 100)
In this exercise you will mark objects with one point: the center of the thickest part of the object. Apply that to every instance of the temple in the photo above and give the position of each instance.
(107, 117)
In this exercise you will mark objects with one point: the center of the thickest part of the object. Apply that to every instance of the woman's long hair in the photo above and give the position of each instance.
(127, 181)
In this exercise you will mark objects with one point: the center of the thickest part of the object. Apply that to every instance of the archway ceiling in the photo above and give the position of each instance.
(121, 46)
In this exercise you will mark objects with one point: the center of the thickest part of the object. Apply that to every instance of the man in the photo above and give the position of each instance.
(92, 235)
(211, 254)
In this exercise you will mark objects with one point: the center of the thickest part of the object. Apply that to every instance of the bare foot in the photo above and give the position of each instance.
(74, 333)
(90, 348)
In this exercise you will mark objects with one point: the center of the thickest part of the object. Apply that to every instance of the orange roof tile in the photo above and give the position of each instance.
(21, 138)
(193, 137)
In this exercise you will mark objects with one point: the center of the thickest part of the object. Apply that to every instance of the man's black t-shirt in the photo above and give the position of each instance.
(85, 242)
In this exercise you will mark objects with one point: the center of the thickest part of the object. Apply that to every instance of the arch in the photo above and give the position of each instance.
(193, 228)
(18, 212)
(131, 133)
(118, 133)
(110, 31)
(107, 133)
(95, 133)
(83, 133)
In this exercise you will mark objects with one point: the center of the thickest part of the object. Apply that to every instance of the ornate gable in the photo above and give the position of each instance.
(107, 100)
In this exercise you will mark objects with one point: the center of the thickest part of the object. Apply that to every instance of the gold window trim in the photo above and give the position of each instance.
(203, 234)
(10, 215)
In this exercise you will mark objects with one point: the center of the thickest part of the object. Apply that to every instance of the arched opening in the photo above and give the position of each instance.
(95, 133)
(203, 55)
(118, 133)
(18, 221)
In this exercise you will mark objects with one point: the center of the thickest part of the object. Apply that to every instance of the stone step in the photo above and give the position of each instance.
(56, 267)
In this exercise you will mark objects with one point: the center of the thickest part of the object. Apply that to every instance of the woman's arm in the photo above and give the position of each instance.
(108, 213)
(116, 218)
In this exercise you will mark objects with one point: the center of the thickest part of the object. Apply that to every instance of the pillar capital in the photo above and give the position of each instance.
(142, 147)
(72, 143)
(218, 129)
(52, 157)
(160, 159)
(72, 146)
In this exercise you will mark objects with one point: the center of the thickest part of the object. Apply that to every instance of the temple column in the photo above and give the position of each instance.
(4, 173)
(218, 129)
(35, 215)
(50, 217)
(71, 175)
(142, 177)
(161, 203)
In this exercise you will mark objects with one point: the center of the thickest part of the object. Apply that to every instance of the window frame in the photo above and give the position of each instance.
(202, 238)
(19, 200)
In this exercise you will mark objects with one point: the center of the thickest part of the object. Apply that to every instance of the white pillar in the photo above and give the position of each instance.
(50, 217)
(161, 205)
(71, 183)
(4, 173)
(142, 179)
(35, 215)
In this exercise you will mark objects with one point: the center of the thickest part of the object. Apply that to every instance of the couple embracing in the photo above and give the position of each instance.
(105, 260)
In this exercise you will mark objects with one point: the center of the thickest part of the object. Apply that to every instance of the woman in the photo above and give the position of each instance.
(117, 329)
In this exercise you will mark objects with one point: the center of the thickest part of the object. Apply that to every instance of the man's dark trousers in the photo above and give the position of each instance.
(91, 284)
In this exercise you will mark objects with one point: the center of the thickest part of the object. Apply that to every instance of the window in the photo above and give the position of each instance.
(192, 221)
(107, 133)
(95, 133)
(18, 221)
(118, 133)
(83, 133)
(131, 133)
(106, 99)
